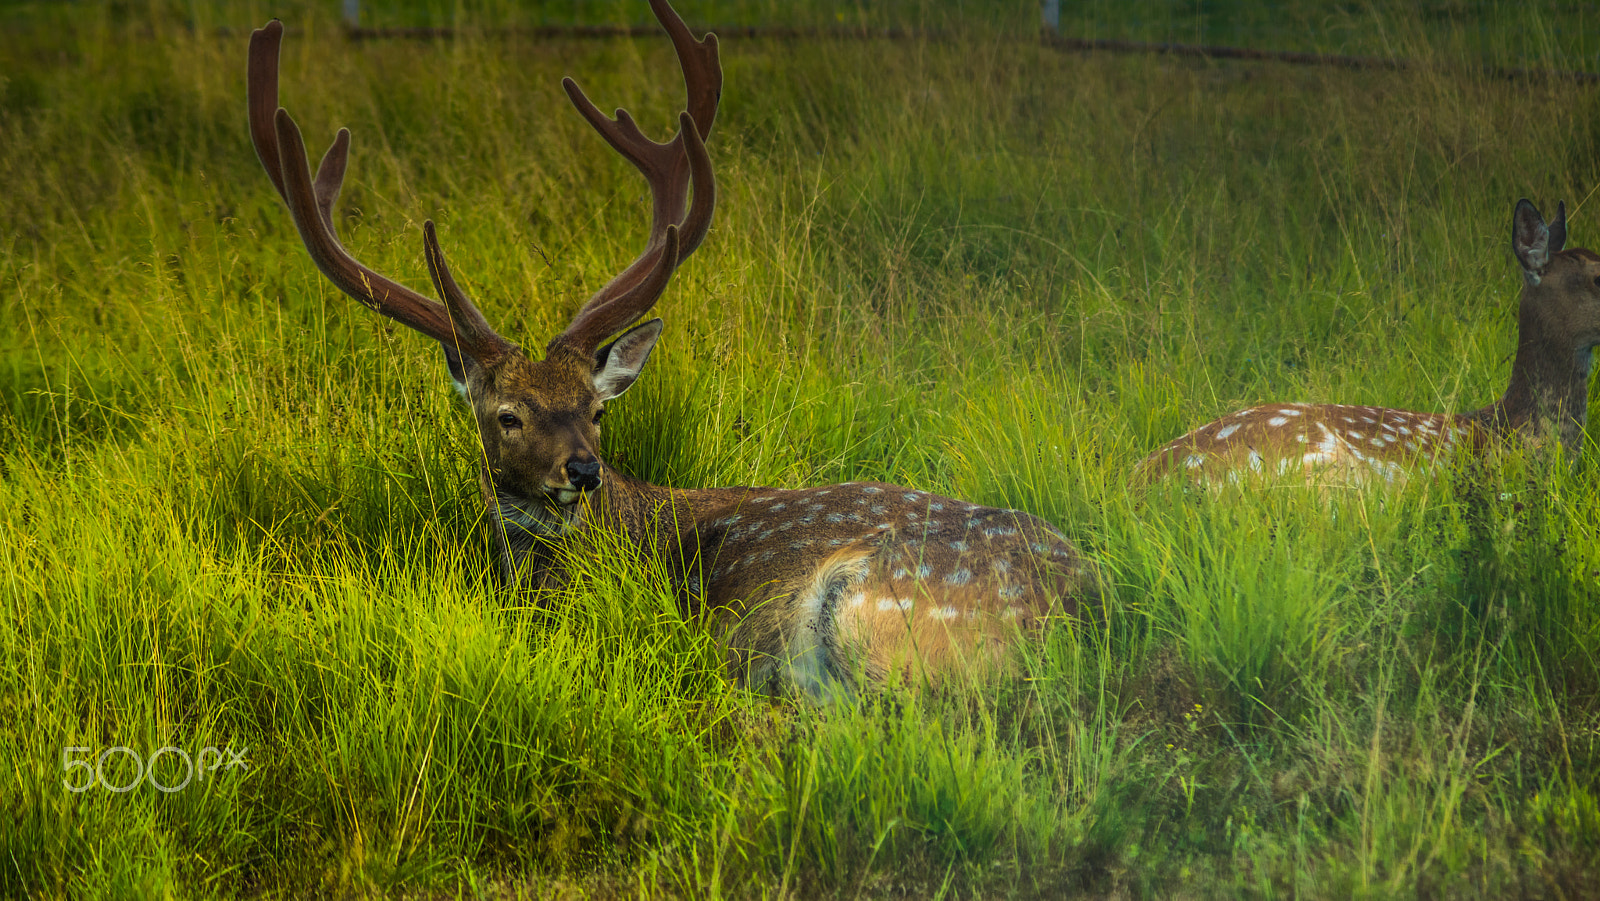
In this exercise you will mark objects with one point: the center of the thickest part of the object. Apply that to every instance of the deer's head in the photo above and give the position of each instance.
(1561, 297)
(539, 420)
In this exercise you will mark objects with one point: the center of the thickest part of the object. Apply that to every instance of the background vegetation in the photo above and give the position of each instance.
(238, 511)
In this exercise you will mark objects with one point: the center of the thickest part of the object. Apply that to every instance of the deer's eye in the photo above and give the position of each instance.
(597, 415)
(510, 421)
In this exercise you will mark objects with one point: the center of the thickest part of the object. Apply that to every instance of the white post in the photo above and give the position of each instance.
(352, 13)
(1052, 15)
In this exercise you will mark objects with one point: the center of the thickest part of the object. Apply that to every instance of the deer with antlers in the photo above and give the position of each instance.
(1558, 326)
(816, 589)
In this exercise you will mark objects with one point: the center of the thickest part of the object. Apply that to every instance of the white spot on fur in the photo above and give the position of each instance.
(1255, 461)
(1226, 431)
(959, 577)
(1193, 461)
(958, 545)
(1329, 442)
(887, 604)
(1289, 411)
(943, 613)
(1277, 420)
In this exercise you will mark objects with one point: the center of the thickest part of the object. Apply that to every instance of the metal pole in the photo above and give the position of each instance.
(352, 13)
(1051, 11)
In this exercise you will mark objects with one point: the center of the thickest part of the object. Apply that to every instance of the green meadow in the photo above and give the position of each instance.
(239, 512)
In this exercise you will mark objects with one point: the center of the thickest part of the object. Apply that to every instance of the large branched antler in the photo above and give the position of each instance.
(456, 323)
(671, 169)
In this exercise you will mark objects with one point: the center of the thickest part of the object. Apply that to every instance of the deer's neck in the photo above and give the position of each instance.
(1549, 388)
(628, 514)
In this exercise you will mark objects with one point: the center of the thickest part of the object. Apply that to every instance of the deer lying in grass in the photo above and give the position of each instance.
(819, 589)
(1558, 327)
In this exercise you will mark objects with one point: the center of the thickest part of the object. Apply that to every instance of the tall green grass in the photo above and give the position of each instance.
(239, 511)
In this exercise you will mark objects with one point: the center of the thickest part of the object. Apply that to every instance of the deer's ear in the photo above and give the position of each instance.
(1534, 242)
(617, 364)
(458, 363)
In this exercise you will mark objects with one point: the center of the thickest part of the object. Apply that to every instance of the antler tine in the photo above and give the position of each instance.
(632, 293)
(261, 98)
(702, 68)
(671, 169)
(463, 312)
(282, 153)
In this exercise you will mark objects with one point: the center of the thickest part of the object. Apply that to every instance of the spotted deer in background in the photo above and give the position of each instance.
(817, 589)
(1558, 326)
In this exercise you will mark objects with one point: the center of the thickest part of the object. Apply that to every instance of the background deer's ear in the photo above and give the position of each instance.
(1558, 229)
(1532, 240)
(617, 364)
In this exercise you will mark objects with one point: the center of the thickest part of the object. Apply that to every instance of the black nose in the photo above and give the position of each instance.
(584, 476)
